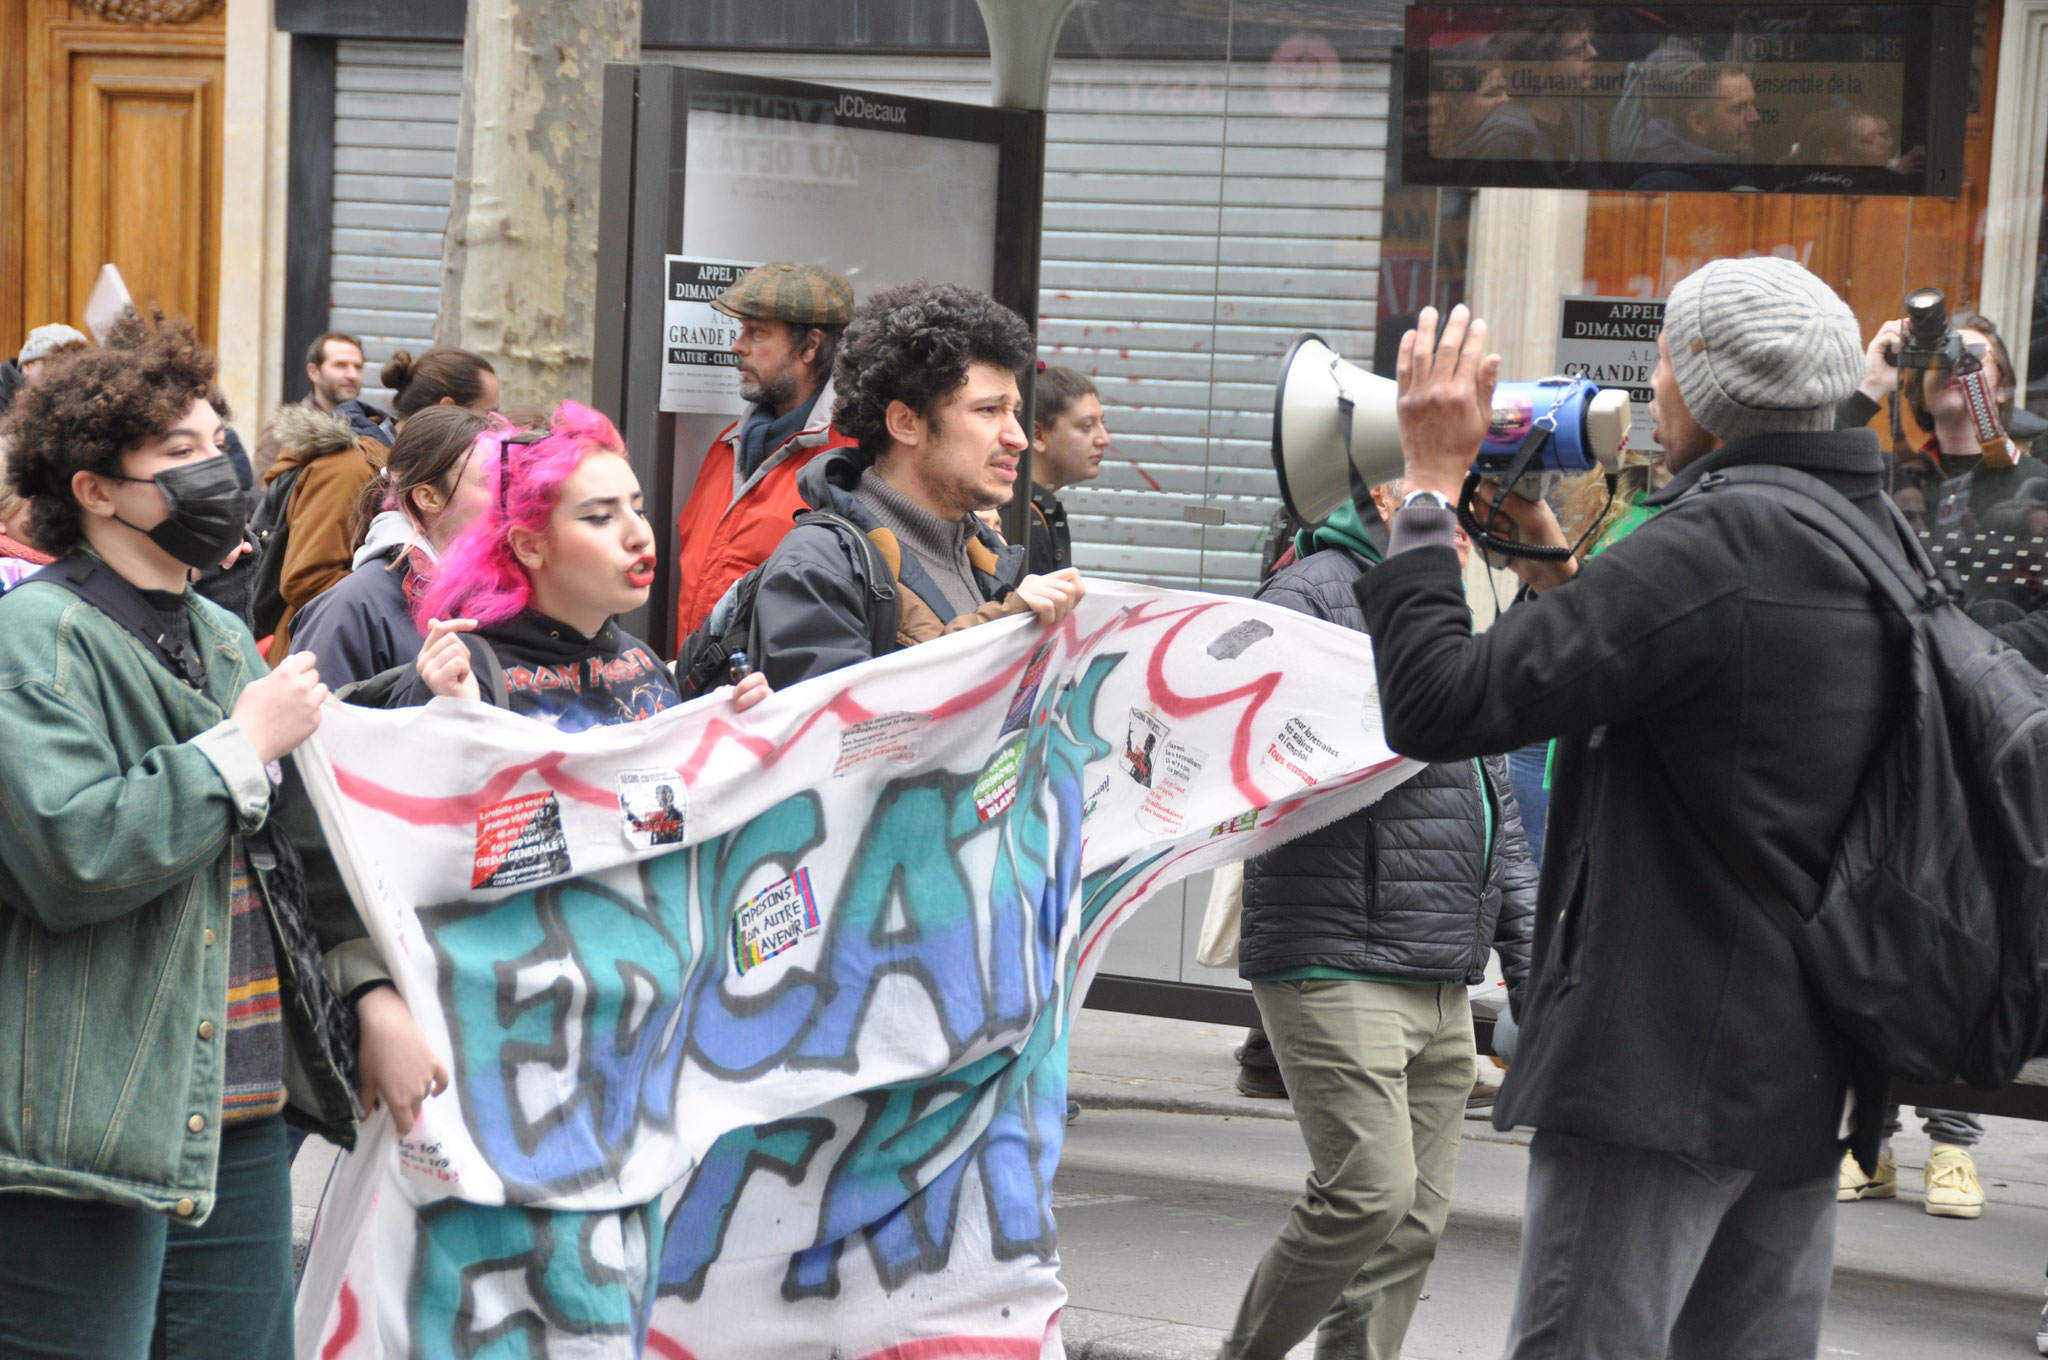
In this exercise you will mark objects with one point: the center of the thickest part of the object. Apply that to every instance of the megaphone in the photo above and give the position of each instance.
(1335, 436)
(1333, 430)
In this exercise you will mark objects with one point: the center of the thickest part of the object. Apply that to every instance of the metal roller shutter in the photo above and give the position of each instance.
(1195, 221)
(1193, 226)
(396, 110)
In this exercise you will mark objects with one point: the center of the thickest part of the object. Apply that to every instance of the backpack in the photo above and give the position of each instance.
(1927, 946)
(704, 660)
(269, 529)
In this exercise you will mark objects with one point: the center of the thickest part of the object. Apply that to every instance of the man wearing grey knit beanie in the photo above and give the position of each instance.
(1716, 683)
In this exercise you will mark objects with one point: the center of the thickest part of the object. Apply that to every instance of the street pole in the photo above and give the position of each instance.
(1022, 35)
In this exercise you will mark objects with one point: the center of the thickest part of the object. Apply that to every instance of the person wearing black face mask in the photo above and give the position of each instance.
(178, 982)
(203, 502)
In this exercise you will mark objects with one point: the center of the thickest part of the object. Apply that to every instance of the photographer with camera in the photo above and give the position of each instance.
(1717, 681)
(1970, 461)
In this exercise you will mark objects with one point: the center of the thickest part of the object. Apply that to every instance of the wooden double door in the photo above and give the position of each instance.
(110, 152)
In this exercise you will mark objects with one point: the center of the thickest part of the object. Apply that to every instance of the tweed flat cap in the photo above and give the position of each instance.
(800, 294)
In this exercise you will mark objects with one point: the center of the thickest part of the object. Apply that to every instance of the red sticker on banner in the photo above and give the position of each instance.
(519, 841)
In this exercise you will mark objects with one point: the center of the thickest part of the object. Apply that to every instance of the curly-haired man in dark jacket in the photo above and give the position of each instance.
(927, 382)
(1360, 940)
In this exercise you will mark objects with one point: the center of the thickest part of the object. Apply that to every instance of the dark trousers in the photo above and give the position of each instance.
(1629, 1254)
(87, 1280)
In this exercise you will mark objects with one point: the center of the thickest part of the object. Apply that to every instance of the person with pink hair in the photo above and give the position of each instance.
(521, 610)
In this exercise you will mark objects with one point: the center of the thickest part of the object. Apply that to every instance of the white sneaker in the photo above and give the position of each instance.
(2041, 1332)
(1851, 1184)
(1952, 1188)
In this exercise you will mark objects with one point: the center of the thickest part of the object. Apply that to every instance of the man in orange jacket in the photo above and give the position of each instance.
(790, 318)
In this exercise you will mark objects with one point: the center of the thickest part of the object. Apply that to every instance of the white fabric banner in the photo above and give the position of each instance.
(757, 1022)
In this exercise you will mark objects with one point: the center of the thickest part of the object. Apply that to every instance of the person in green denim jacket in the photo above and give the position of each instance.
(155, 1017)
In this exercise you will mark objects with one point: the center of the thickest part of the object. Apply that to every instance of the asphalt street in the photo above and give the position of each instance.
(1162, 1216)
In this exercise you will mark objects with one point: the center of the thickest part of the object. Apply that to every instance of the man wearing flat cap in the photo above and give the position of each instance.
(790, 318)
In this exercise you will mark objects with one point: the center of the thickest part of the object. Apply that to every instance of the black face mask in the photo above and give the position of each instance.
(204, 502)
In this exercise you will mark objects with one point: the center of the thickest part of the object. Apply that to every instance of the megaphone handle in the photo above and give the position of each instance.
(1506, 547)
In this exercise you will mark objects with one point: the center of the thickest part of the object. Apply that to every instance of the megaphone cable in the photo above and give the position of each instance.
(1487, 542)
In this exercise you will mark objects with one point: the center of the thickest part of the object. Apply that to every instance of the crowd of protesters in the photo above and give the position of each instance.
(1706, 681)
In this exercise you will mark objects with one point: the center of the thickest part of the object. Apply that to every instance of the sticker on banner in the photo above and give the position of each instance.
(519, 841)
(888, 736)
(997, 787)
(774, 921)
(651, 804)
(1174, 772)
(428, 1160)
(1142, 740)
(1243, 821)
(1027, 691)
(1230, 644)
(1302, 753)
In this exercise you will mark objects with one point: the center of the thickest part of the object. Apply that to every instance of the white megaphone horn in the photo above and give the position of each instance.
(1334, 432)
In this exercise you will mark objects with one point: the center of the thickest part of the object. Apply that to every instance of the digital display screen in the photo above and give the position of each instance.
(1835, 99)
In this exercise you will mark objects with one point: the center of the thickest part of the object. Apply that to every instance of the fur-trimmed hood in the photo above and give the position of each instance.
(305, 433)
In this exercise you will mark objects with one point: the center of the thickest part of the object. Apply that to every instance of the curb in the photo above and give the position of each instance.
(1091, 1335)
(1106, 1096)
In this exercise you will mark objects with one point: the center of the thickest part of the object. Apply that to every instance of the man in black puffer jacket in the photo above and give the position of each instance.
(1360, 940)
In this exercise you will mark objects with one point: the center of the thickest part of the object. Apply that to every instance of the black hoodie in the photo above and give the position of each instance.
(555, 674)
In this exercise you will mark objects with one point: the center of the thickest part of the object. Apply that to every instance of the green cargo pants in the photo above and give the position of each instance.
(1379, 1073)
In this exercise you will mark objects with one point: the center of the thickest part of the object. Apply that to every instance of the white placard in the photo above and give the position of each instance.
(699, 371)
(1613, 341)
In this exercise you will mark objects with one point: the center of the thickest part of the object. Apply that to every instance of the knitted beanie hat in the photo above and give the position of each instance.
(1761, 347)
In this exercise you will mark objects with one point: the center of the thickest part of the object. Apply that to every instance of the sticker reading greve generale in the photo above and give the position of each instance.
(774, 920)
(519, 841)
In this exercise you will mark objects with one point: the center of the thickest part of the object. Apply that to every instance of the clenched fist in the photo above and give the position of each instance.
(281, 710)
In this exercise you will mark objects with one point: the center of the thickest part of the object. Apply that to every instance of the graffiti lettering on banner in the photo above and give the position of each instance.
(887, 736)
(997, 787)
(651, 802)
(774, 921)
(1300, 751)
(519, 841)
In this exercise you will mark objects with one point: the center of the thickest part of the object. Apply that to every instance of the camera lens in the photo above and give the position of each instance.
(1927, 315)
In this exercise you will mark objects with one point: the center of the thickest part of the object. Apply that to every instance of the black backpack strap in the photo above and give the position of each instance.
(100, 586)
(882, 606)
(379, 690)
(1909, 585)
(491, 685)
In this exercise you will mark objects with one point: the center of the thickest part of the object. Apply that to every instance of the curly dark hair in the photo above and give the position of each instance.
(94, 406)
(913, 343)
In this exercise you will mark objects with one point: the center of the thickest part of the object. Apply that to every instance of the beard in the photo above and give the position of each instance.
(778, 392)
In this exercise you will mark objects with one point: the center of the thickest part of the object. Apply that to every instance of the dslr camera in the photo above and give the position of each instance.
(1930, 341)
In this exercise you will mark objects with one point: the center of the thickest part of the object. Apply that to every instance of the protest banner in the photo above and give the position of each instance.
(757, 1023)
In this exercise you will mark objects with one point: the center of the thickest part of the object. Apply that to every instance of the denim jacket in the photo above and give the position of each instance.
(121, 790)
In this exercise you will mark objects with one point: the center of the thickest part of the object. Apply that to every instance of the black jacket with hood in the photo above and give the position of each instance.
(1717, 681)
(810, 608)
(1419, 884)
